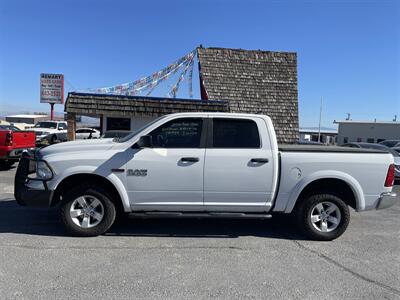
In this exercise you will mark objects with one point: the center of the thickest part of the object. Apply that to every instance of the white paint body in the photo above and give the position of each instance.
(87, 133)
(222, 179)
(47, 133)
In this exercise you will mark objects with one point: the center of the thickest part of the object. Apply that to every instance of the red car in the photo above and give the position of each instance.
(12, 142)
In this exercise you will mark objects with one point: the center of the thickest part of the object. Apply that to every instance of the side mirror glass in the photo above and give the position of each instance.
(145, 141)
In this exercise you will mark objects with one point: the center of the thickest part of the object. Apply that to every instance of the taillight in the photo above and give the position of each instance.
(9, 139)
(390, 176)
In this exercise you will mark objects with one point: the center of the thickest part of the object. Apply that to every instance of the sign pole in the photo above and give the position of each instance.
(52, 111)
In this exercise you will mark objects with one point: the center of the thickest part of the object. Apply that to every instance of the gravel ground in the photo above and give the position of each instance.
(158, 259)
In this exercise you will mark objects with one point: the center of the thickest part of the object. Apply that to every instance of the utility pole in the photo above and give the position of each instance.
(319, 125)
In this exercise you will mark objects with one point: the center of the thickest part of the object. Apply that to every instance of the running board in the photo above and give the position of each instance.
(172, 214)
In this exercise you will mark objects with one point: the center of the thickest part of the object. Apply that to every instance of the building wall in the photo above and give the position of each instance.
(368, 132)
(262, 82)
(28, 119)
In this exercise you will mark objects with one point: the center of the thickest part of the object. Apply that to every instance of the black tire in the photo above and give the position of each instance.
(6, 164)
(109, 211)
(304, 211)
(53, 139)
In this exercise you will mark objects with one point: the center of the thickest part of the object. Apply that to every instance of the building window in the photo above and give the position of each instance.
(359, 140)
(345, 140)
(118, 124)
(179, 133)
(370, 140)
(235, 133)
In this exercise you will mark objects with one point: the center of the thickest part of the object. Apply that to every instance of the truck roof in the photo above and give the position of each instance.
(223, 114)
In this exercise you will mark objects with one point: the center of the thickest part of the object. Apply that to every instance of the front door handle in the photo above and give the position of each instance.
(259, 160)
(190, 159)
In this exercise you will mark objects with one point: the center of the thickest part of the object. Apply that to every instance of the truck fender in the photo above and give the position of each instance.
(326, 174)
(112, 178)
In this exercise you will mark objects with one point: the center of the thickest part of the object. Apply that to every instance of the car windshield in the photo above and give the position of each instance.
(51, 125)
(115, 134)
(9, 127)
(390, 143)
(131, 135)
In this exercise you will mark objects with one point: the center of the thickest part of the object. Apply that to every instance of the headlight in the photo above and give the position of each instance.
(43, 171)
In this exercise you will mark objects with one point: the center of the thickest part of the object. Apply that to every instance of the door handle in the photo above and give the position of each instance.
(259, 160)
(190, 159)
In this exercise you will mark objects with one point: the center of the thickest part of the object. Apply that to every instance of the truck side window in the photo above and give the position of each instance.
(180, 133)
(62, 126)
(235, 133)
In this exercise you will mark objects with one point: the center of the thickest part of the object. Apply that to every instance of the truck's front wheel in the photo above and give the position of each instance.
(87, 211)
(323, 217)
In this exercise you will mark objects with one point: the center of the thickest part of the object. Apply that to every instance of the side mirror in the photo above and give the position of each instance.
(145, 141)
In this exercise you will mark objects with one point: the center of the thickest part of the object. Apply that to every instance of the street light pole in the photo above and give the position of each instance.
(319, 125)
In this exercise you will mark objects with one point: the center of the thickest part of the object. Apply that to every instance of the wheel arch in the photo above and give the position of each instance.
(112, 183)
(338, 183)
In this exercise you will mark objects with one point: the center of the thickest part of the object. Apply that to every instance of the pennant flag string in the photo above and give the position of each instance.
(190, 79)
(151, 82)
(175, 88)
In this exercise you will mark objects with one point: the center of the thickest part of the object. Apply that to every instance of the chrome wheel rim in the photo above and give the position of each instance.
(86, 211)
(325, 216)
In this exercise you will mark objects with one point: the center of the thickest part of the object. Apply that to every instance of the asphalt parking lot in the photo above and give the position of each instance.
(199, 259)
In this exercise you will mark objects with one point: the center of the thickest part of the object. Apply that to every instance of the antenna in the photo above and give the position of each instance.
(395, 118)
(348, 116)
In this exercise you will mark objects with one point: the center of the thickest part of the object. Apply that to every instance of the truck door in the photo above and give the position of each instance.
(238, 171)
(169, 176)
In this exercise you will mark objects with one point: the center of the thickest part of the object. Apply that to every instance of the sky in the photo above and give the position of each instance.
(348, 51)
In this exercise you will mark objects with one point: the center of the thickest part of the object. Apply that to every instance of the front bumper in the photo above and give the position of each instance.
(27, 196)
(386, 200)
(14, 154)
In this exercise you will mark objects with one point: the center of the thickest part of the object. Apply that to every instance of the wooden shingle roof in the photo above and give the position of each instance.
(254, 82)
(117, 105)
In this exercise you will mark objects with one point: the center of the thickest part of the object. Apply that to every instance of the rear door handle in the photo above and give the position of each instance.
(259, 160)
(190, 159)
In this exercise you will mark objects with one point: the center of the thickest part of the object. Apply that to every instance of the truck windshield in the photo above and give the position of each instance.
(131, 135)
(51, 125)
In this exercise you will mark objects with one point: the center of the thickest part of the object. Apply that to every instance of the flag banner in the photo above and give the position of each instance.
(175, 87)
(190, 79)
(149, 83)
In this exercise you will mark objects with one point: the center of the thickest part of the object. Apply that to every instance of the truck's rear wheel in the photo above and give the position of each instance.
(87, 211)
(6, 164)
(323, 217)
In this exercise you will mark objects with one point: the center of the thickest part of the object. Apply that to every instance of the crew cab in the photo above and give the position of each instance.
(50, 131)
(205, 165)
(12, 142)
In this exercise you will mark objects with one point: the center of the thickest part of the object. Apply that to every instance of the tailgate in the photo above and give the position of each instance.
(23, 139)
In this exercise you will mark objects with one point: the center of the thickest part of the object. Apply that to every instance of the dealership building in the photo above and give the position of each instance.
(231, 80)
(367, 131)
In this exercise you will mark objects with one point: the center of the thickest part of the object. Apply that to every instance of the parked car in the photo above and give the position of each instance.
(310, 143)
(12, 143)
(390, 143)
(210, 165)
(381, 147)
(111, 134)
(50, 131)
(87, 133)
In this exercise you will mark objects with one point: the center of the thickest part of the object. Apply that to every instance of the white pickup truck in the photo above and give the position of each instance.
(205, 165)
(51, 131)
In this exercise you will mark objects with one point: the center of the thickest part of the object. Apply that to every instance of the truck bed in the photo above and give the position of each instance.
(334, 149)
